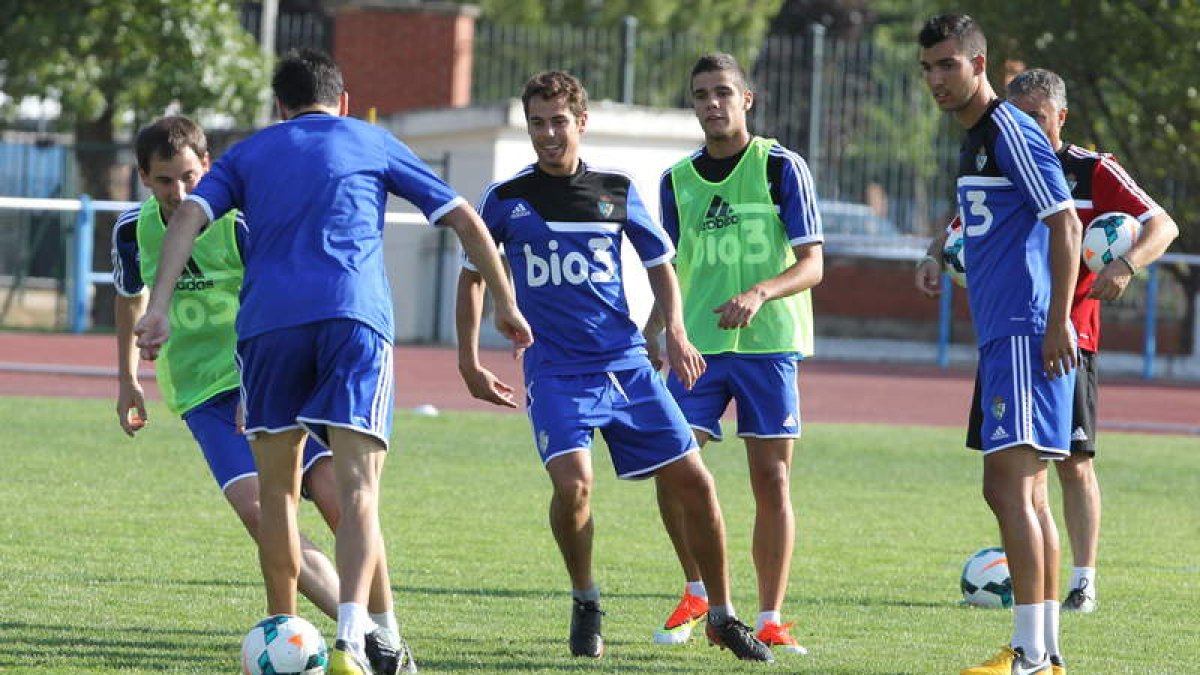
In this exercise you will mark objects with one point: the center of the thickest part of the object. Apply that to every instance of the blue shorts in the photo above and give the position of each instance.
(1020, 405)
(764, 387)
(214, 426)
(328, 373)
(634, 411)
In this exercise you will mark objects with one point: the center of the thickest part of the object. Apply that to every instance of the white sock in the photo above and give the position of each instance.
(353, 623)
(1085, 578)
(721, 613)
(764, 617)
(591, 594)
(1029, 631)
(697, 589)
(386, 620)
(1050, 618)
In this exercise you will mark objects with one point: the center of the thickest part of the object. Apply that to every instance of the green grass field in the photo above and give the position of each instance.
(121, 556)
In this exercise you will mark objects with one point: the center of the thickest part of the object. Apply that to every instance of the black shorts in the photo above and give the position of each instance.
(1083, 414)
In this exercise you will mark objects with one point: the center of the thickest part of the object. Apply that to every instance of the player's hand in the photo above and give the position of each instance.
(738, 311)
(1111, 282)
(687, 363)
(152, 331)
(485, 386)
(512, 325)
(131, 408)
(1060, 352)
(929, 277)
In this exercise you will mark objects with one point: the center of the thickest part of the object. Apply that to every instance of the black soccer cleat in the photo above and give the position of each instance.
(388, 653)
(585, 629)
(737, 637)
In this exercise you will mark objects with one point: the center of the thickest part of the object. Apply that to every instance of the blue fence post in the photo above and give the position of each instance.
(80, 305)
(1150, 337)
(945, 309)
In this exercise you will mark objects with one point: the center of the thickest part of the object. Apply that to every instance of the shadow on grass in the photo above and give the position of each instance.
(112, 646)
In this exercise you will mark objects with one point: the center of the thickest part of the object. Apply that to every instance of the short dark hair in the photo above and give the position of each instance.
(1041, 83)
(306, 77)
(552, 84)
(961, 27)
(718, 62)
(166, 137)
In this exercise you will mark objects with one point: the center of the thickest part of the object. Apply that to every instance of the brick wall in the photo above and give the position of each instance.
(397, 58)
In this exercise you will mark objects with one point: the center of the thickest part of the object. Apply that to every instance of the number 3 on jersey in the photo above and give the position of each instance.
(981, 216)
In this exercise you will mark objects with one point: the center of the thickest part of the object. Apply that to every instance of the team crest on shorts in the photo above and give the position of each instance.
(543, 440)
(998, 406)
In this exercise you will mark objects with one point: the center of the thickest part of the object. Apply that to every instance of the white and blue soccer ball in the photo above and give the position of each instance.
(284, 645)
(1109, 236)
(985, 579)
(954, 258)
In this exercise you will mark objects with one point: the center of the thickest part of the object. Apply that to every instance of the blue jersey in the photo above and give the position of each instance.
(562, 236)
(315, 189)
(1009, 179)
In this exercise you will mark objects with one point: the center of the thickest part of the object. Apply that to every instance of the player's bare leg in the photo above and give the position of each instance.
(674, 517)
(278, 458)
(357, 462)
(1081, 507)
(770, 461)
(1010, 483)
(318, 578)
(1052, 554)
(571, 514)
(688, 484)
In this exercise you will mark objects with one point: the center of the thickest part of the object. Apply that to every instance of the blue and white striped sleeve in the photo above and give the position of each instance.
(1024, 155)
(127, 267)
(650, 240)
(798, 199)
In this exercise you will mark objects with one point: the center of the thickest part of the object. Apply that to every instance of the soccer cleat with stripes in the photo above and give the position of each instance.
(343, 661)
(678, 628)
(777, 637)
(1080, 600)
(737, 637)
(1010, 661)
(388, 653)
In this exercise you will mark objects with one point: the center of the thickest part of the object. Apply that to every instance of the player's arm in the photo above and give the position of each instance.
(668, 213)
(481, 251)
(929, 269)
(468, 310)
(154, 328)
(687, 363)
(805, 273)
(1060, 353)
(131, 399)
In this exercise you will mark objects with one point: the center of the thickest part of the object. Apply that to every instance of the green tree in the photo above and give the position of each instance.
(103, 59)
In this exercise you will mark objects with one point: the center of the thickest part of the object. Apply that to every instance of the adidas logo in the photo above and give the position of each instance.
(719, 215)
(1079, 434)
(999, 434)
(519, 211)
(789, 421)
(192, 278)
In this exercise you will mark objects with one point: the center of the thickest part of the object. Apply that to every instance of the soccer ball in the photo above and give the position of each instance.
(284, 645)
(954, 258)
(985, 581)
(1108, 236)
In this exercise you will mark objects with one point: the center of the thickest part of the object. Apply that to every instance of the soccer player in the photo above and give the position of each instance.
(561, 223)
(1022, 239)
(315, 325)
(1098, 185)
(742, 211)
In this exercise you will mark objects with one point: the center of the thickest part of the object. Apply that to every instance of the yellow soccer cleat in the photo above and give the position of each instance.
(342, 661)
(1010, 661)
(1057, 666)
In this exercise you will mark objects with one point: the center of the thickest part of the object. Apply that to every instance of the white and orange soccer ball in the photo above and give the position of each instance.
(284, 645)
(985, 579)
(1109, 236)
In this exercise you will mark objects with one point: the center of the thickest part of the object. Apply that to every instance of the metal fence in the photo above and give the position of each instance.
(856, 110)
